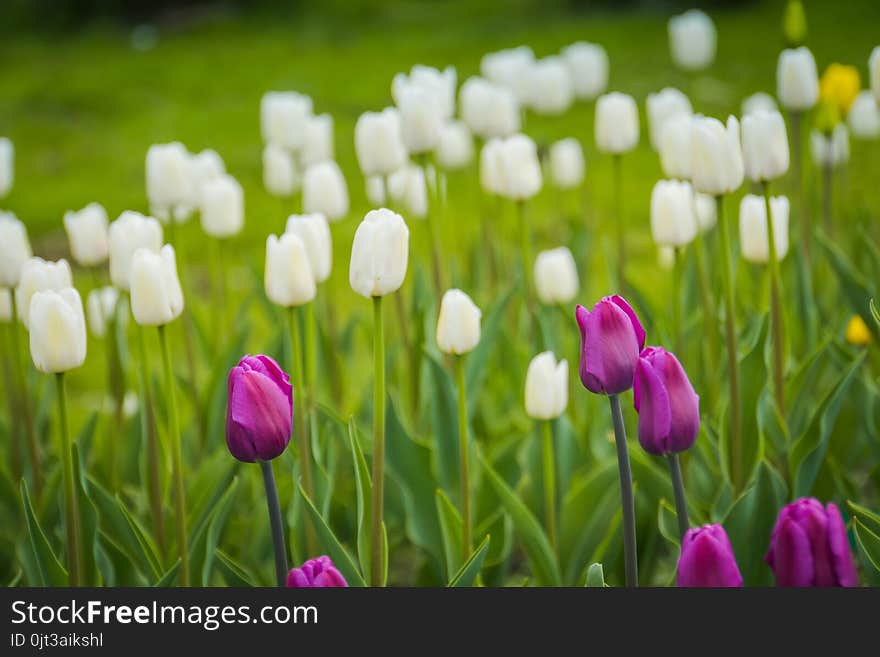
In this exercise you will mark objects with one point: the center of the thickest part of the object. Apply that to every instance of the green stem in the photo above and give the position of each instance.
(549, 463)
(378, 496)
(677, 276)
(71, 501)
(735, 411)
(275, 522)
(617, 185)
(630, 552)
(176, 458)
(797, 168)
(681, 507)
(311, 364)
(827, 184)
(433, 237)
(26, 418)
(464, 453)
(148, 432)
(11, 394)
(775, 309)
(525, 236)
(709, 326)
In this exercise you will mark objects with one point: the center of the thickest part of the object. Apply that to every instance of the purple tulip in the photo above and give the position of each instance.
(315, 573)
(707, 559)
(809, 546)
(611, 339)
(259, 409)
(668, 407)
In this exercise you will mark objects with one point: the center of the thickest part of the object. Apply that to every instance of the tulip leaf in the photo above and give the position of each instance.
(364, 487)
(867, 517)
(444, 414)
(667, 521)
(467, 574)
(450, 528)
(595, 576)
(800, 389)
(771, 424)
(199, 538)
(215, 530)
(234, 573)
(49, 568)
(869, 544)
(854, 288)
(168, 576)
(475, 366)
(88, 516)
(135, 537)
(753, 369)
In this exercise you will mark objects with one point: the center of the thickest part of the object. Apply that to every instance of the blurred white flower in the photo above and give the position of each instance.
(546, 391)
(707, 211)
(556, 277)
(797, 81)
(550, 87)
(488, 109)
(864, 117)
(758, 101)
(520, 168)
(421, 119)
(754, 243)
(455, 149)
(130, 232)
(692, 40)
(378, 142)
(439, 85)
(588, 67)
(675, 147)
(409, 191)
(283, 118)
(509, 68)
(673, 220)
(100, 308)
(156, 295)
(325, 191)
(617, 123)
(171, 187)
(832, 151)
(37, 275)
(87, 234)
(288, 278)
(492, 167)
(280, 175)
(222, 207)
(716, 156)
(458, 323)
(317, 140)
(379, 254)
(764, 145)
(314, 231)
(567, 163)
(662, 107)
(58, 330)
(15, 249)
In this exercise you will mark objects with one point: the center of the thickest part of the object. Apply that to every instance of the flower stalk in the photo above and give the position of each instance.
(630, 553)
(464, 452)
(275, 522)
(72, 524)
(775, 310)
(378, 494)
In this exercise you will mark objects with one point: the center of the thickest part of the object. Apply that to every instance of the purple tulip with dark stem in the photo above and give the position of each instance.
(316, 573)
(707, 559)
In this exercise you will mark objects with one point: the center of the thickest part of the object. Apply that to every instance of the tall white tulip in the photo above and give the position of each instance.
(488, 109)
(222, 207)
(797, 81)
(588, 67)
(288, 279)
(15, 249)
(421, 120)
(874, 72)
(156, 295)
(764, 145)
(492, 167)
(567, 163)
(317, 140)
(754, 243)
(616, 123)
(458, 324)
(379, 254)
(7, 166)
(692, 40)
(758, 101)
(130, 232)
(314, 231)
(280, 175)
(455, 148)
(509, 68)
(283, 118)
(100, 308)
(666, 104)
(87, 234)
(325, 191)
(37, 275)
(864, 117)
(170, 183)
(521, 169)
(379, 142)
(716, 156)
(58, 330)
(546, 387)
(550, 88)
(830, 151)
(675, 147)
(408, 189)
(673, 219)
(556, 276)
(439, 85)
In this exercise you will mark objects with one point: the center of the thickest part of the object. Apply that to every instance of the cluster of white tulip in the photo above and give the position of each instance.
(175, 179)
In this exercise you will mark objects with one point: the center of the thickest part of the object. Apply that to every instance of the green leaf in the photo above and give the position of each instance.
(234, 573)
(595, 576)
(467, 574)
(444, 422)
(215, 530)
(476, 365)
(855, 289)
(451, 529)
(364, 493)
(753, 369)
(145, 546)
(169, 576)
(869, 544)
(88, 516)
(198, 541)
(867, 517)
(49, 568)
(667, 521)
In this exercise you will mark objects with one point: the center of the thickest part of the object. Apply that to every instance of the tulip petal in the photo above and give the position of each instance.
(684, 403)
(259, 408)
(707, 559)
(792, 560)
(841, 555)
(637, 324)
(655, 415)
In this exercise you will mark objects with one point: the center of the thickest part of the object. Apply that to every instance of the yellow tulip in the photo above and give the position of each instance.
(839, 85)
(857, 332)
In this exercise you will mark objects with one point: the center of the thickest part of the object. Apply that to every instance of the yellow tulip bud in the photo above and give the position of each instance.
(857, 332)
(839, 85)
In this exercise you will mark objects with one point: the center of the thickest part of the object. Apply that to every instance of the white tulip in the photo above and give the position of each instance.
(830, 151)
(489, 110)
(317, 140)
(283, 118)
(379, 254)
(288, 279)
(764, 145)
(222, 207)
(87, 234)
(716, 156)
(156, 295)
(280, 175)
(100, 309)
(205, 166)
(15, 249)
(37, 275)
(663, 106)
(314, 231)
(550, 87)
(375, 190)
(379, 142)
(439, 85)
(675, 147)
(58, 330)
(5, 304)
(7, 166)
(864, 117)
(758, 101)
(408, 189)
(170, 183)
(421, 120)
(707, 211)
(874, 68)
(673, 220)
(509, 68)
(567, 163)
(325, 191)
(455, 149)
(492, 167)
(797, 81)
(521, 169)
(458, 324)
(130, 232)
(754, 243)
(556, 276)
(692, 40)
(616, 123)
(588, 67)
(546, 387)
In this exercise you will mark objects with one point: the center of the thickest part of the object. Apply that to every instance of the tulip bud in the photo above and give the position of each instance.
(492, 167)
(316, 573)
(259, 409)
(797, 82)
(170, 182)
(706, 210)
(611, 339)
(130, 232)
(100, 308)
(379, 254)
(509, 68)
(663, 106)
(15, 249)
(288, 277)
(839, 86)
(857, 332)
(439, 85)
(375, 190)
(455, 149)
(57, 330)
(283, 118)
(379, 142)
(617, 123)
(716, 156)
(7, 166)
(765, 146)
(408, 190)
(556, 277)
(222, 207)
(588, 67)
(325, 191)
(794, 23)
(489, 110)
(668, 407)
(864, 117)
(809, 546)
(673, 221)
(314, 231)
(759, 101)
(546, 387)
(156, 295)
(830, 151)
(280, 176)
(5, 305)
(692, 40)
(707, 559)
(36, 275)
(675, 147)
(520, 168)
(317, 140)
(567, 163)
(458, 324)
(873, 67)
(549, 87)
(421, 120)
(754, 243)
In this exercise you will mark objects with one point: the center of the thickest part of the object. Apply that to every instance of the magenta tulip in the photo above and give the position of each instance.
(809, 546)
(707, 559)
(316, 573)
(668, 407)
(611, 339)
(259, 409)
